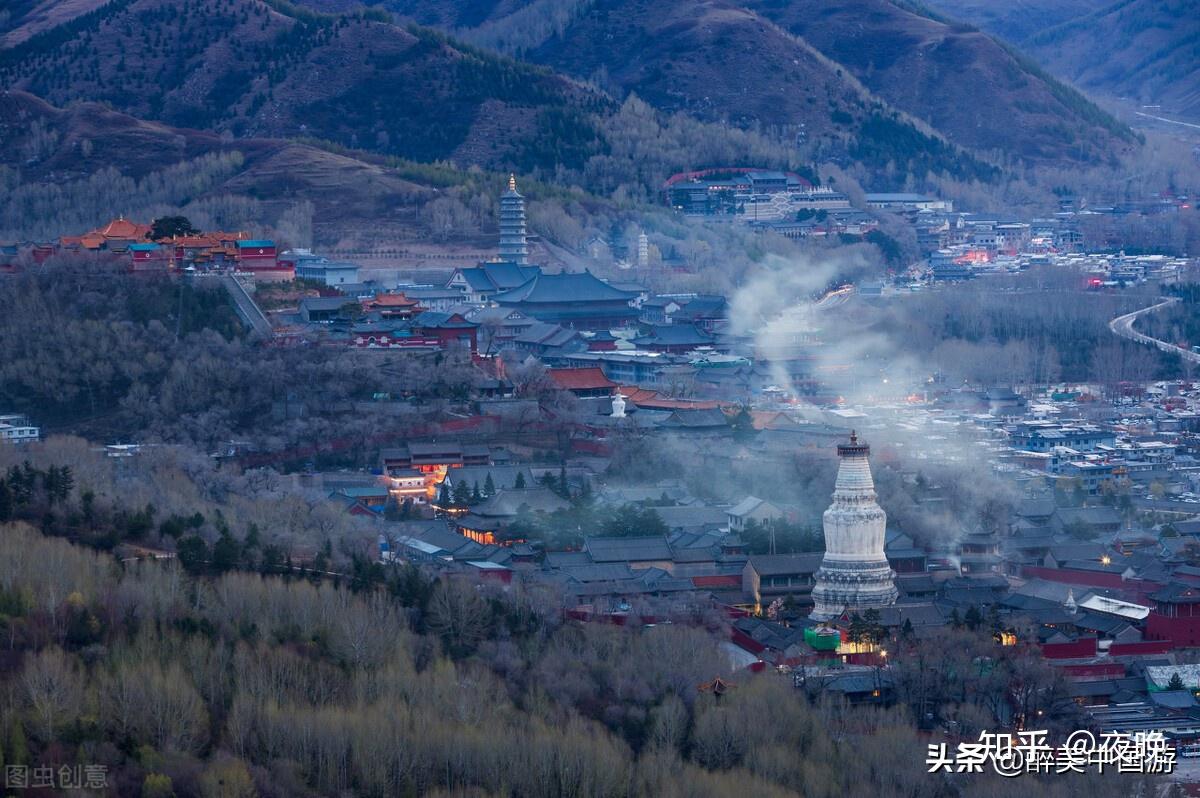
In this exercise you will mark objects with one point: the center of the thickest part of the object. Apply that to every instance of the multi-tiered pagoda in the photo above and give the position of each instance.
(513, 247)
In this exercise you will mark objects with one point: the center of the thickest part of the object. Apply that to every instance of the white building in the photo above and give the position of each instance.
(854, 574)
(17, 429)
(322, 270)
(907, 202)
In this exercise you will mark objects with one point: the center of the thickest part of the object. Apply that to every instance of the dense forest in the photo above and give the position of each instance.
(92, 347)
(1179, 323)
(1036, 328)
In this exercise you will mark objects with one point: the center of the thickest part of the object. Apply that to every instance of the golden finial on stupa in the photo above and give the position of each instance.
(512, 182)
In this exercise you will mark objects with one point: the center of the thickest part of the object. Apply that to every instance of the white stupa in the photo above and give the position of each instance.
(854, 573)
(618, 406)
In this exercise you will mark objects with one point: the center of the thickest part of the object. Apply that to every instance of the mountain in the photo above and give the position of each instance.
(245, 67)
(1015, 20)
(690, 55)
(783, 62)
(81, 165)
(979, 93)
(1151, 53)
(21, 19)
(1151, 47)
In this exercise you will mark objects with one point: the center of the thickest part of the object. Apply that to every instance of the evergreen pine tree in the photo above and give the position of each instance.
(392, 510)
(18, 749)
(857, 630)
(489, 485)
(66, 483)
(50, 484)
(475, 497)
(519, 482)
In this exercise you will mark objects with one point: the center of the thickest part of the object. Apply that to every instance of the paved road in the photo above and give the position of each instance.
(1123, 326)
(1166, 505)
(835, 298)
(246, 309)
(1164, 119)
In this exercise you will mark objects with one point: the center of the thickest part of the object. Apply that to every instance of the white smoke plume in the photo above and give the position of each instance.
(788, 310)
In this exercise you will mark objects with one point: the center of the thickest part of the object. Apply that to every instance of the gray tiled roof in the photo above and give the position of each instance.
(779, 564)
(548, 288)
(610, 549)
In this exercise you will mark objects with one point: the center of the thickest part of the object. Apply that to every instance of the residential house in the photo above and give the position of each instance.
(503, 477)
(583, 382)
(15, 428)
(754, 509)
(318, 268)
(326, 310)
(443, 300)
(392, 306)
(486, 520)
(673, 338)
(904, 556)
(497, 326)
(433, 457)
(451, 330)
(479, 284)
(544, 340)
(369, 500)
(766, 577)
(1086, 521)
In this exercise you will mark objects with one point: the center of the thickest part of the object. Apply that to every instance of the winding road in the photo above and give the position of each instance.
(1123, 326)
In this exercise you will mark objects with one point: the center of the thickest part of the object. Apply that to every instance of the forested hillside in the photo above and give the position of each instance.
(957, 79)
(1024, 334)
(20, 19)
(724, 58)
(1015, 20)
(354, 79)
(91, 346)
(65, 171)
(1151, 53)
